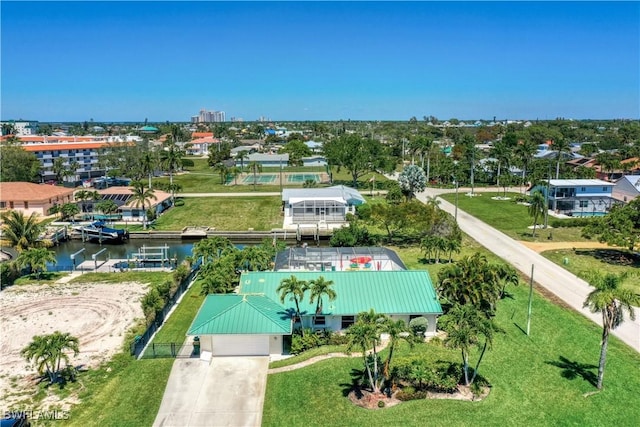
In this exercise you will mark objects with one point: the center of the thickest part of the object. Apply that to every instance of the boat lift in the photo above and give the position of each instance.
(74, 255)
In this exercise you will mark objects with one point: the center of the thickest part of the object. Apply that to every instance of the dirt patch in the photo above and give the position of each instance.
(97, 314)
(550, 246)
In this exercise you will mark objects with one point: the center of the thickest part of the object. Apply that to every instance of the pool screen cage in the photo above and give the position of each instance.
(340, 258)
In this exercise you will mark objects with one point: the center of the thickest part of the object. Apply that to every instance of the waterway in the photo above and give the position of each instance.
(177, 249)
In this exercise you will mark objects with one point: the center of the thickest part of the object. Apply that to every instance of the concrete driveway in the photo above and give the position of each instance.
(228, 392)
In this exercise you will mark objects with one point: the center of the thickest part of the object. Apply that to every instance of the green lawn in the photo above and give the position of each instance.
(511, 218)
(153, 278)
(611, 260)
(125, 392)
(537, 380)
(176, 326)
(233, 213)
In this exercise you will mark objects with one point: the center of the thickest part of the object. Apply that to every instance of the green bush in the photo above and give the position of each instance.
(418, 326)
(572, 222)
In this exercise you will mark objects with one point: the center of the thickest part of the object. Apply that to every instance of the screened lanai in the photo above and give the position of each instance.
(338, 259)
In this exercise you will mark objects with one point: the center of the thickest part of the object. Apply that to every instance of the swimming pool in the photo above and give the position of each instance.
(302, 177)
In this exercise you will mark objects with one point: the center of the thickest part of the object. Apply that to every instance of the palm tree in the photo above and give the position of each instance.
(466, 327)
(48, 352)
(21, 232)
(524, 151)
(171, 159)
(472, 280)
(319, 288)
(562, 146)
(69, 210)
(397, 330)
(612, 301)
(364, 334)
(243, 154)
(295, 289)
(255, 168)
(148, 164)
(223, 170)
(537, 207)
(235, 171)
(36, 259)
(502, 153)
(139, 197)
(212, 248)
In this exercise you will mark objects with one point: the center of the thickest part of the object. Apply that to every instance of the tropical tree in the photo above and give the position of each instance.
(363, 335)
(223, 170)
(537, 207)
(139, 197)
(502, 153)
(18, 164)
(255, 168)
(523, 151)
(356, 154)
(106, 206)
(49, 351)
(612, 301)
(412, 180)
(473, 280)
(397, 330)
(235, 171)
(69, 210)
(36, 259)
(319, 288)
(294, 289)
(148, 164)
(561, 146)
(466, 328)
(242, 155)
(621, 227)
(212, 248)
(171, 160)
(21, 232)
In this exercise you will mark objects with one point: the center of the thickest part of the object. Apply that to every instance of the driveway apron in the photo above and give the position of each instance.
(228, 392)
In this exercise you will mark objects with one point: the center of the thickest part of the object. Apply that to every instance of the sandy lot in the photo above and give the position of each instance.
(98, 314)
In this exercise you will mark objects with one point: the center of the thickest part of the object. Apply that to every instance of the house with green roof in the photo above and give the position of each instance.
(256, 322)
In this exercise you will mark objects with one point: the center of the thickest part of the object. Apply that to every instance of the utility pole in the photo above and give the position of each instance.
(530, 301)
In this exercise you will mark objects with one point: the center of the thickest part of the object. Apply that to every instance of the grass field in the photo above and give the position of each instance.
(511, 218)
(237, 213)
(539, 380)
(611, 260)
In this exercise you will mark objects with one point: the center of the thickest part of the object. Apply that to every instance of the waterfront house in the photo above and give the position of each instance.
(28, 197)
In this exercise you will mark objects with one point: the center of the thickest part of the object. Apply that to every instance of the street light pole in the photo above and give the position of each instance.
(456, 210)
(546, 198)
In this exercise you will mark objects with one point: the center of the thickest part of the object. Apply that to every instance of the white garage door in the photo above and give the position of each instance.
(241, 345)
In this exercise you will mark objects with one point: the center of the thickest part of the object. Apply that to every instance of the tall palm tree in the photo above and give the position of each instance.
(612, 301)
(242, 155)
(148, 164)
(320, 287)
(255, 168)
(294, 289)
(171, 160)
(466, 328)
(69, 210)
(524, 151)
(235, 171)
(502, 153)
(36, 259)
(21, 232)
(139, 197)
(49, 351)
(561, 146)
(537, 207)
(397, 331)
(223, 170)
(363, 335)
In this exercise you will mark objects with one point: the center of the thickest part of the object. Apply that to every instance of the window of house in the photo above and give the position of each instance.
(3, 205)
(584, 203)
(348, 321)
(321, 321)
(26, 205)
(583, 189)
(413, 316)
(10, 205)
(605, 188)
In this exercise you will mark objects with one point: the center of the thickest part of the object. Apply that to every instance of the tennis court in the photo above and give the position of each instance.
(303, 177)
(259, 179)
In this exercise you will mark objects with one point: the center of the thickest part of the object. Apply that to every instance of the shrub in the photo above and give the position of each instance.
(410, 393)
(572, 222)
(381, 404)
(418, 326)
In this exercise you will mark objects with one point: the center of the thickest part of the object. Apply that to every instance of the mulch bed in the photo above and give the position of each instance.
(369, 400)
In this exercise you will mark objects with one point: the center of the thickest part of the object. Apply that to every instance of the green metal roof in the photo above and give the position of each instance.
(389, 292)
(240, 314)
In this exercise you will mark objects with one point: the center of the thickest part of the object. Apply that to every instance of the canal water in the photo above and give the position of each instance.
(177, 249)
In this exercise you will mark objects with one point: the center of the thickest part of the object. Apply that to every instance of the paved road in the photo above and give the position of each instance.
(567, 286)
(228, 392)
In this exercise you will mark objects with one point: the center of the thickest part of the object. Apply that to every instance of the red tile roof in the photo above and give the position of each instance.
(64, 146)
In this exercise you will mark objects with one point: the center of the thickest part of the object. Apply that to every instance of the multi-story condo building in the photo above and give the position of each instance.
(83, 155)
(21, 128)
(209, 117)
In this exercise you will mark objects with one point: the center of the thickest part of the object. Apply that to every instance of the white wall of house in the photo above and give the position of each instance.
(275, 344)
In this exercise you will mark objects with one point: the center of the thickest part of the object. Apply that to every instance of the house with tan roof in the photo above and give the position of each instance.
(130, 211)
(28, 197)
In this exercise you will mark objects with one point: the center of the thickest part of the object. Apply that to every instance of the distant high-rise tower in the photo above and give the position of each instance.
(209, 116)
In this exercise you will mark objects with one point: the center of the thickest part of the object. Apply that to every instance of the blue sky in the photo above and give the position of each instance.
(127, 61)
